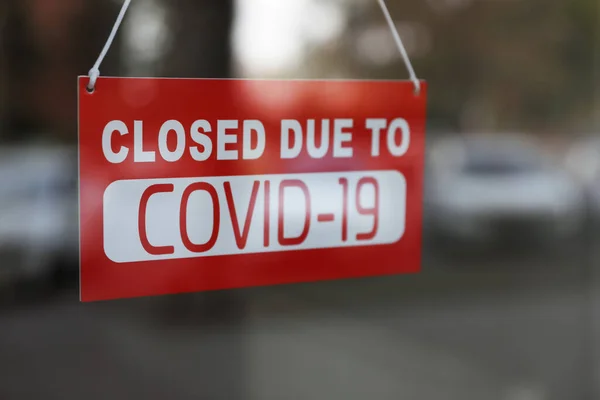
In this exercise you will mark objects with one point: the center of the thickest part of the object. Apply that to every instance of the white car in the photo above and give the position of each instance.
(583, 161)
(488, 189)
(39, 235)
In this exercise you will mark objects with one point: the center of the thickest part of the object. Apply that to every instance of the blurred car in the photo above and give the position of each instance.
(583, 161)
(498, 189)
(38, 214)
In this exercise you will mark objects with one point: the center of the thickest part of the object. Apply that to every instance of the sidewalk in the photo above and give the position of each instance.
(301, 358)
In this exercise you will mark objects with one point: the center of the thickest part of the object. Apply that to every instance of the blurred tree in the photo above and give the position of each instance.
(199, 46)
(526, 65)
(200, 32)
(46, 44)
(3, 66)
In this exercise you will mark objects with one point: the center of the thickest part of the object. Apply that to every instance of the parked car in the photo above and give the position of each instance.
(502, 188)
(39, 234)
(583, 161)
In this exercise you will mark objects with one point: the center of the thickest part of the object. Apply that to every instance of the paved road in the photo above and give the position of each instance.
(494, 333)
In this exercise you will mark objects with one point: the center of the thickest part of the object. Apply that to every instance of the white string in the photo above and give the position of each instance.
(94, 73)
(398, 40)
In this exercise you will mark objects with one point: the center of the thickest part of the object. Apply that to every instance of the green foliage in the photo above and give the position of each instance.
(526, 65)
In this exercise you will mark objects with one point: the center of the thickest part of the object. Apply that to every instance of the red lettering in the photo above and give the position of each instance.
(195, 187)
(344, 183)
(372, 211)
(281, 236)
(267, 212)
(152, 190)
(241, 239)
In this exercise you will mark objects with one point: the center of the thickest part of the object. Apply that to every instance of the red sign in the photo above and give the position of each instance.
(193, 184)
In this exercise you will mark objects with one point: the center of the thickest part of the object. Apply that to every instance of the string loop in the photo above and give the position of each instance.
(94, 73)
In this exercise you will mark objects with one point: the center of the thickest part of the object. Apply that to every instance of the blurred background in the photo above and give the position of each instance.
(508, 304)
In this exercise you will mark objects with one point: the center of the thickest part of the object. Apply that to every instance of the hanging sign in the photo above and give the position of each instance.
(199, 184)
